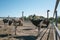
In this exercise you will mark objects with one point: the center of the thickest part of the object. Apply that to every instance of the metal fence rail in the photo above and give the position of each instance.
(57, 32)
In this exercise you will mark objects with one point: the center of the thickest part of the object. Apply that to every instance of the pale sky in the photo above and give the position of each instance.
(14, 8)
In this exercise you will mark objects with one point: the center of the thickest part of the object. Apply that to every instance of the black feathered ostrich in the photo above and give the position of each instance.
(38, 23)
(7, 21)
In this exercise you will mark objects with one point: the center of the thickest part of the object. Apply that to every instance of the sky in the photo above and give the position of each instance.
(14, 8)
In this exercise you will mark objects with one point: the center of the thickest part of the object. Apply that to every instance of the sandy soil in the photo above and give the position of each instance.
(27, 30)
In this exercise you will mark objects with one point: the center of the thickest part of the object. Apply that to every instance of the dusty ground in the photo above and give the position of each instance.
(27, 30)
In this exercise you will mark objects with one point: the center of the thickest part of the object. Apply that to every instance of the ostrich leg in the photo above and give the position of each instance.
(15, 29)
(38, 30)
(39, 27)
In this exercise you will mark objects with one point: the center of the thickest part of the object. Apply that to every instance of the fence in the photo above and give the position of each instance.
(57, 31)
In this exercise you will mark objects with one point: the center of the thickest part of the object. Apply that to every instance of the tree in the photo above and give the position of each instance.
(51, 18)
(58, 19)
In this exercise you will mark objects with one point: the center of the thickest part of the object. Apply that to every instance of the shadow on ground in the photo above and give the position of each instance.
(25, 37)
(4, 35)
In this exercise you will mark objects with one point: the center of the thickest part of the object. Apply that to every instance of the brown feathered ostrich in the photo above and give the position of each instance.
(17, 23)
(46, 21)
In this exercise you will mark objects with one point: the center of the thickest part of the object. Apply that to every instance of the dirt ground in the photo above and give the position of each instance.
(22, 32)
(26, 32)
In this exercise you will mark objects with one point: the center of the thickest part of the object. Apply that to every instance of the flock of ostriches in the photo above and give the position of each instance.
(13, 21)
(35, 22)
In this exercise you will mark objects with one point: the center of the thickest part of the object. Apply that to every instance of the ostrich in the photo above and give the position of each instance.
(46, 22)
(10, 22)
(7, 21)
(38, 23)
(17, 23)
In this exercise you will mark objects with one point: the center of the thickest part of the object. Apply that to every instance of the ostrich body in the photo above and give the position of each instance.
(36, 22)
(17, 23)
(5, 21)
